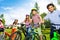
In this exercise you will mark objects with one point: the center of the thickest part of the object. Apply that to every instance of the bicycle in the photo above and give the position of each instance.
(33, 35)
(56, 35)
(2, 34)
(22, 29)
(18, 35)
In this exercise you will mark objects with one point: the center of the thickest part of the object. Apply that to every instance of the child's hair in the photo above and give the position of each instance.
(14, 21)
(0, 20)
(28, 18)
(51, 4)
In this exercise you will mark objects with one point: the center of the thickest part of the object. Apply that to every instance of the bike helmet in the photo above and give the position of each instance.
(34, 9)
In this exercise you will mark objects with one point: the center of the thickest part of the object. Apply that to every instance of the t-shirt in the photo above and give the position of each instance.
(36, 18)
(27, 24)
(54, 17)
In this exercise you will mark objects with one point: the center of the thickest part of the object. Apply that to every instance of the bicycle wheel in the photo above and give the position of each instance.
(36, 36)
(15, 36)
(44, 37)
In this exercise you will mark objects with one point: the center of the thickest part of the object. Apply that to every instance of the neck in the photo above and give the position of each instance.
(52, 11)
(34, 14)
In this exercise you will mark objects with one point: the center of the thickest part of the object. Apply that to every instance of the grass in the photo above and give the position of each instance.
(46, 32)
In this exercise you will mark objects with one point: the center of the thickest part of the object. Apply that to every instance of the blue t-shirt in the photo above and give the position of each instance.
(54, 17)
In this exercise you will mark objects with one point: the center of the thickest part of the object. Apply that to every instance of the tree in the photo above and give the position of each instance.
(58, 2)
(36, 6)
(1, 16)
(47, 22)
(31, 15)
(3, 20)
(43, 15)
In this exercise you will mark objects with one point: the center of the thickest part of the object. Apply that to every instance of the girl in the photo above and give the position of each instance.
(1, 26)
(14, 29)
(1, 30)
(28, 23)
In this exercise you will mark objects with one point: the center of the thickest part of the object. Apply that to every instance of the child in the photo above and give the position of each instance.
(14, 29)
(28, 23)
(37, 20)
(1, 26)
(1, 30)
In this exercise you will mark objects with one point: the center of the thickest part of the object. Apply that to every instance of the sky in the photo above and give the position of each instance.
(17, 9)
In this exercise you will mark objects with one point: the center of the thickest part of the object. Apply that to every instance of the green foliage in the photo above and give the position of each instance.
(47, 23)
(43, 15)
(31, 15)
(3, 20)
(36, 6)
(1, 16)
(58, 2)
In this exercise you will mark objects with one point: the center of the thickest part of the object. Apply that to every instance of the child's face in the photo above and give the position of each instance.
(27, 16)
(34, 12)
(16, 21)
(51, 8)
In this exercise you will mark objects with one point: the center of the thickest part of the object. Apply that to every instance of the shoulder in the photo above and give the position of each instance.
(57, 11)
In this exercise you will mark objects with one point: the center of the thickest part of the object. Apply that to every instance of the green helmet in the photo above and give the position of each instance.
(34, 9)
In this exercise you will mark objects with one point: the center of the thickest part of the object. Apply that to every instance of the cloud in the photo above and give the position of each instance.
(43, 3)
(7, 8)
(19, 12)
(12, 13)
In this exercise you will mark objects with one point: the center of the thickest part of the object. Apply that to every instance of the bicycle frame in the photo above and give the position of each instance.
(55, 36)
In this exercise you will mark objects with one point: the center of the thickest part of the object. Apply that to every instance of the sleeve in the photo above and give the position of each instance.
(59, 14)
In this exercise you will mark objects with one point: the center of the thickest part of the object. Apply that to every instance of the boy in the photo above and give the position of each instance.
(54, 17)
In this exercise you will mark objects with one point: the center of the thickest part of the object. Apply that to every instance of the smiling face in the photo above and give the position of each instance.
(51, 8)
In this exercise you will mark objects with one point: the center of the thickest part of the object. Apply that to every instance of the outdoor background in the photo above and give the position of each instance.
(17, 9)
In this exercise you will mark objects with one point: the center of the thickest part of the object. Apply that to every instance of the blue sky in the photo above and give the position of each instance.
(12, 3)
(17, 9)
